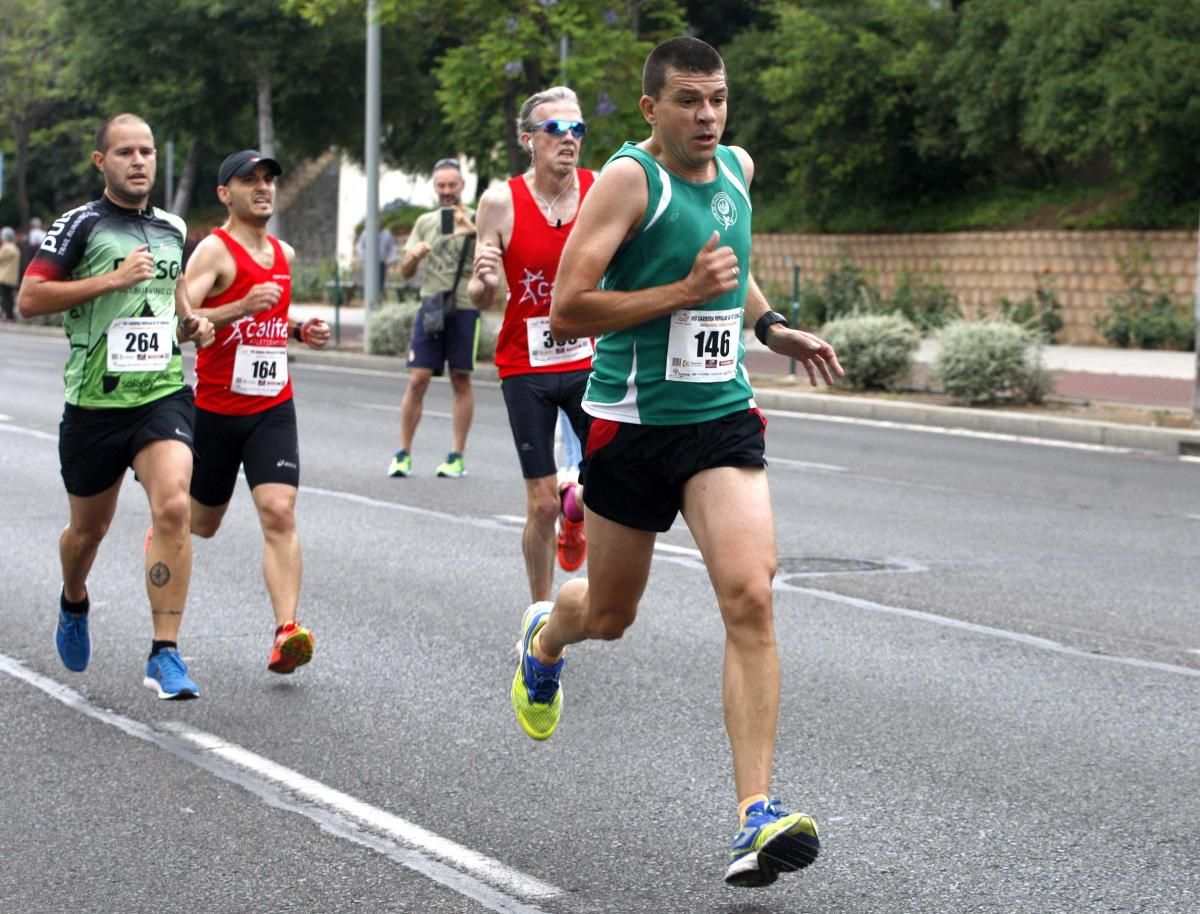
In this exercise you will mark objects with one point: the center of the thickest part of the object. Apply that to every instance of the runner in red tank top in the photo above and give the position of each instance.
(245, 417)
(521, 229)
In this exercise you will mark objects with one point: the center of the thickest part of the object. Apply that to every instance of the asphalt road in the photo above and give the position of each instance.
(991, 688)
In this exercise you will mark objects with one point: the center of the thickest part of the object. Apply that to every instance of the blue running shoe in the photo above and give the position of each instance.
(72, 640)
(536, 695)
(772, 841)
(167, 674)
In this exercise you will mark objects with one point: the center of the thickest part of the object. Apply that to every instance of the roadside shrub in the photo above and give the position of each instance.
(308, 280)
(927, 304)
(877, 350)
(389, 329)
(1041, 311)
(843, 290)
(983, 361)
(1142, 317)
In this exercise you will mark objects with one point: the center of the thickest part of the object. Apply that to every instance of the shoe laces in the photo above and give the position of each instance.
(170, 663)
(541, 681)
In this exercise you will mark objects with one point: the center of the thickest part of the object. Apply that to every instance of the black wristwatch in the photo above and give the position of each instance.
(761, 325)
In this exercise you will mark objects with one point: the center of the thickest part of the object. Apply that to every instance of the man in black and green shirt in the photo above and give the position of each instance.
(113, 266)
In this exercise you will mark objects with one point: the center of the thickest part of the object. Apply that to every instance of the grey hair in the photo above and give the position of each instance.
(7, 234)
(553, 94)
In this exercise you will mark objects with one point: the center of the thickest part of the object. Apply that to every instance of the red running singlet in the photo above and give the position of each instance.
(530, 268)
(259, 368)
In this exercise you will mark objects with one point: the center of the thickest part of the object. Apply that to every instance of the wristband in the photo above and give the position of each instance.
(761, 325)
(298, 333)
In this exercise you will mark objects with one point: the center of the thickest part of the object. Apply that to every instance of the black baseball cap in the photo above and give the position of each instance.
(242, 163)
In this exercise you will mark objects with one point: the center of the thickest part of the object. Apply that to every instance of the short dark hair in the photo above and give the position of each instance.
(687, 54)
(102, 133)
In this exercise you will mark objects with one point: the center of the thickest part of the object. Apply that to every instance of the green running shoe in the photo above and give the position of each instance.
(453, 467)
(401, 465)
(536, 695)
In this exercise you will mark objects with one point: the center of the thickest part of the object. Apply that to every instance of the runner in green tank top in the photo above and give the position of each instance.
(658, 268)
(113, 266)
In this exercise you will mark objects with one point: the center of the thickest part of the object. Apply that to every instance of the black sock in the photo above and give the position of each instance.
(156, 646)
(77, 608)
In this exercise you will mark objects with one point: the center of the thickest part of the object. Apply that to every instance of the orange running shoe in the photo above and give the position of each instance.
(293, 647)
(572, 544)
(146, 541)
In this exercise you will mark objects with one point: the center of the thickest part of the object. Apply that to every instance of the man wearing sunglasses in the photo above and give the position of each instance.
(658, 271)
(522, 227)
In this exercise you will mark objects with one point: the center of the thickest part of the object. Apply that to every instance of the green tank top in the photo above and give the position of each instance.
(684, 367)
(137, 323)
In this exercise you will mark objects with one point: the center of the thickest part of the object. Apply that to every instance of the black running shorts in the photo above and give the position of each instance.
(455, 346)
(634, 474)
(533, 401)
(96, 446)
(265, 443)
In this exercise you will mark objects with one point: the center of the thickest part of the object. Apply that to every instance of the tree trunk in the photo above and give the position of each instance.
(187, 180)
(512, 141)
(20, 171)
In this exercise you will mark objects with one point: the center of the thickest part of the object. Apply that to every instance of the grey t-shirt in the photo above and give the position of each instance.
(441, 263)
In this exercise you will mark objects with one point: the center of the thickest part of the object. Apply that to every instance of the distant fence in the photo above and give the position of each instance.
(983, 267)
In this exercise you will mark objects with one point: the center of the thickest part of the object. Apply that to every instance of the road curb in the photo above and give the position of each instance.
(1080, 431)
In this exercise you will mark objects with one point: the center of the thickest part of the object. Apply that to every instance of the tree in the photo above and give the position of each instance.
(837, 102)
(224, 76)
(30, 71)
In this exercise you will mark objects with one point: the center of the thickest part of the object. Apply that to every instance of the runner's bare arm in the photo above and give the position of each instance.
(40, 295)
(493, 225)
(610, 215)
(192, 326)
(210, 271)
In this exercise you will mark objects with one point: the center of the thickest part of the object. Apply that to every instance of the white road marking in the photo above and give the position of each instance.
(458, 868)
(956, 432)
(1188, 458)
(390, 408)
(773, 461)
(31, 432)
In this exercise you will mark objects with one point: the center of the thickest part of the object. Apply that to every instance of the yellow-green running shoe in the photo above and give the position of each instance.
(772, 841)
(536, 695)
(401, 465)
(453, 467)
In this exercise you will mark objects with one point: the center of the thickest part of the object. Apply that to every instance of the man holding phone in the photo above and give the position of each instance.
(444, 241)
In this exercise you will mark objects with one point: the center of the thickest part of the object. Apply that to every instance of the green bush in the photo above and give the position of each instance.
(1041, 311)
(390, 327)
(843, 290)
(876, 350)
(927, 304)
(308, 280)
(1145, 318)
(983, 361)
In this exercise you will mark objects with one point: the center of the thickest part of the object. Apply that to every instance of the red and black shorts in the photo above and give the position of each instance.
(635, 474)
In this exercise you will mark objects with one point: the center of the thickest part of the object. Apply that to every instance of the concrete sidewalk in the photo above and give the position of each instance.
(1149, 379)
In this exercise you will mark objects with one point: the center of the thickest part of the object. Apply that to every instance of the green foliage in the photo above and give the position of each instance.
(985, 361)
(511, 49)
(836, 102)
(1145, 315)
(390, 328)
(843, 290)
(876, 350)
(927, 304)
(1041, 311)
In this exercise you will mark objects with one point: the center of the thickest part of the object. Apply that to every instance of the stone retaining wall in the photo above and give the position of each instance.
(982, 267)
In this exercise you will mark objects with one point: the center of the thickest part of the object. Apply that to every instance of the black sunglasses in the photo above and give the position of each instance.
(557, 127)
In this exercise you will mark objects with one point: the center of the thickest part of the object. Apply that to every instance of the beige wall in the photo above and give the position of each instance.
(982, 267)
